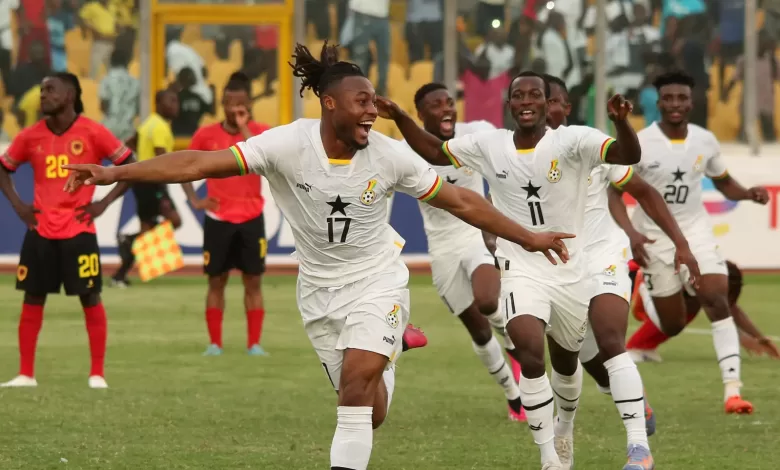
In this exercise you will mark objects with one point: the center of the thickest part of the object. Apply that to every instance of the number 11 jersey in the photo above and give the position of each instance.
(337, 209)
(544, 189)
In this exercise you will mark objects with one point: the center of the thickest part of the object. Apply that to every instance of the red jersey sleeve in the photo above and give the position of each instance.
(197, 141)
(108, 146)
(258, 128)
(17, 153)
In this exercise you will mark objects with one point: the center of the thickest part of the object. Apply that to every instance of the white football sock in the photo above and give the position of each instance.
(389, 377)
(726, 340)
(492, 356)
(567, 391)
(647, 301)
(537, 396)
(498, 323)
(628, 393)
(351, 447)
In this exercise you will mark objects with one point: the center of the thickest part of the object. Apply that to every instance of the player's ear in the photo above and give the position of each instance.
(328, 102)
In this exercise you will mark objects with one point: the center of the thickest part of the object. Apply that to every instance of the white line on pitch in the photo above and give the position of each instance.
(697, 331)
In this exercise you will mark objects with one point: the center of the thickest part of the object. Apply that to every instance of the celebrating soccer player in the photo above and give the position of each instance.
(60, 246)
(330, 178)
(462, 266)
(677, 156)
(539, 177)
(234, 231)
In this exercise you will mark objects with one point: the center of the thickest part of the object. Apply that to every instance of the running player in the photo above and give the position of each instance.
(330, 177)
(677, 156)
(234, 231)
(463, 269)
(154, 137)
(539, 177)
(60, 246)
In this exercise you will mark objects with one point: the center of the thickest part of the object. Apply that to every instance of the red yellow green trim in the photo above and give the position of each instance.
(625, 179)
(455, 162)
(605, 148)
(243, 168)
(721, 176)
(431, 193)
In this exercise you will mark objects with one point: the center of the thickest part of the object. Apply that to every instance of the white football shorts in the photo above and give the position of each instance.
(608, 271)
(662, 281)
(452, 275)
(370, 314)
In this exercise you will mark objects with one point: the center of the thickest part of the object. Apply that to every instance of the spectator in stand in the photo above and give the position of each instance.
(690, 55)
(126, 14)
(644, 44)
(179, 55)
(7, 7)
(60, 21)
(368, 21)
(31, 20)
(487, 78)
(552, 45)
(192, 107)
(767, 73)
(97, 19)
(28, 108)
(772, 18)
(648, 96)
(681, 9)
(489, 11)
(266, 44)
(521, 35)
(729, 16)
(318, 18)
(424, 27)
(120, 97)
(30, 73)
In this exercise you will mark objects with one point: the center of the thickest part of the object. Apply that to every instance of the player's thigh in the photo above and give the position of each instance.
(590, 348)
(218, 240)
(569, 319)
(452, 284)
(485, 279)
(37, 273)
(81, 267)
(661, 279)
(608, 308)
(251, 247)
(323, 329)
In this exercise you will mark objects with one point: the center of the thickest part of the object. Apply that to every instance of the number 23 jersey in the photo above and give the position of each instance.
(675, 168)
(337, 209)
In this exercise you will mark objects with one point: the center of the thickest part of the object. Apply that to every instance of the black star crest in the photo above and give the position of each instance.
(451, 180)
(338, 205)
(678, 174)
(533, 191)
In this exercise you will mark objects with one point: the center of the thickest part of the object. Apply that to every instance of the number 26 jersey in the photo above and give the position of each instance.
(337, 209)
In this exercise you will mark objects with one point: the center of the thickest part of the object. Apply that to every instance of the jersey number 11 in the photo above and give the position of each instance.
(537, 218)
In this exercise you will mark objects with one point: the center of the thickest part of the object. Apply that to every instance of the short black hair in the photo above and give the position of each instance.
(421, 93)
(553, 80)
(529, 73)
(239, 81)
(73, 81)
(120, 58)
(676, 77)
(319, 75)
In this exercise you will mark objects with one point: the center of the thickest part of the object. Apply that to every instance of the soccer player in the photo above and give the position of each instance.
(154, 138)
(462, 267)
(330, 177)
(677, 156)
(60, 246)
(539, 177)
(234, 231)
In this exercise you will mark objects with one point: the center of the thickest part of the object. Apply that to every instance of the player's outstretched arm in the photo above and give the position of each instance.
(425, 144)
(655, 207)
(733, 191)
(475, 210)
(176, 167)
(625, 150)
(489, 238)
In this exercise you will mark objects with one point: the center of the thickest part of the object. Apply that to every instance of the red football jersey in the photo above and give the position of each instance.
(239, 197)
(85, 141)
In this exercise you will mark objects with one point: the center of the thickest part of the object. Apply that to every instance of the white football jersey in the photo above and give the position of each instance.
(675, 168)
(446, 233)
(337, 209)
(544, 189)
(601, 231)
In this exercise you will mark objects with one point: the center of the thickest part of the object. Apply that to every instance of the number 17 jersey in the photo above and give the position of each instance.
(337, 209)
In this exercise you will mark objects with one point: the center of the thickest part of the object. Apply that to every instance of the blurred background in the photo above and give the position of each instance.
(125, 50)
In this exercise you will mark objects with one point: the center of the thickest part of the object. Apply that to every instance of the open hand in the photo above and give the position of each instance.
(618, 108)
(90, 212)
(209, 204)
(86, 175)
(638, 242)
(387, 109)
(683, 256)
(758, 194)
(546, 241)
(27, 212)
(759, 346)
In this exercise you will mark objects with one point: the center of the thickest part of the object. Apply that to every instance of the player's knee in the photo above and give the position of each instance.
(673, 327)
(481, 336)
(89, 300)
(251, 284)
(611, 345)
(358, 391)
(486, 304)
(32, 299)
(379, 415)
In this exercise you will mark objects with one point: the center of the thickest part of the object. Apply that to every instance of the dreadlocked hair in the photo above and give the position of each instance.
(318, 75)
(72, 80)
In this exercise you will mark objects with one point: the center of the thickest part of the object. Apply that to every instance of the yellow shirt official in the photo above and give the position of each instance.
(99, 18)
(154, 132)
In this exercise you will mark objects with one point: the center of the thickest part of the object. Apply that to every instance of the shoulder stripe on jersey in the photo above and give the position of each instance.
(605, 147)
(625, 179)
(120, 155)
(721, 176)
(243, 168)
(9, 163)
(455, 162)
(431, 193)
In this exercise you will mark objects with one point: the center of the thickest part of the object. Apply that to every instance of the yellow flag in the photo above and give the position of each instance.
(157, 253)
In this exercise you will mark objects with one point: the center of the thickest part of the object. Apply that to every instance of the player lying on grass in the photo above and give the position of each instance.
(676, 157)
(539, 177)
(60, 246)
(330, 178)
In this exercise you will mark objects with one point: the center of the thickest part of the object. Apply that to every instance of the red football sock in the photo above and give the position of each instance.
(29, 326)
(97, 331)
(214, 324)
(254, 326)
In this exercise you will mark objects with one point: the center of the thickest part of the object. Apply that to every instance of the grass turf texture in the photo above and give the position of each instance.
(170, 408)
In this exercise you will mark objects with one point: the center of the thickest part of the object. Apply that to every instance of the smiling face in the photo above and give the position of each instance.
(527, 102)
(675, 103)
(352, 103)
(438, 115)
(558, 106)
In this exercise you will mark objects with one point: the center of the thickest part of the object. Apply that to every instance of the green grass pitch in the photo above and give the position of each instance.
(170, 408)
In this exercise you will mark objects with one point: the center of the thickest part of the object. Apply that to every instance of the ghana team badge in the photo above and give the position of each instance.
(369, 196)
(555, 173)
(698, 165)
(392, 317)
(610, 271)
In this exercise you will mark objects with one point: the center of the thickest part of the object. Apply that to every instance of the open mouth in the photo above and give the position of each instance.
(364, 127)
(447, 125)
(526, 115)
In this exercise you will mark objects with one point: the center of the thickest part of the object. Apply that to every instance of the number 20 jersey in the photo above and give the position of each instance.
(675, 168)
(337, 209)
(543, 189)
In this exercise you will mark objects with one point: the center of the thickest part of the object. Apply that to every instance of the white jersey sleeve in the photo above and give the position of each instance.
(619, 175)
(468, 150)
(260, 153)
(589, 144)
(716, 165)
(415, 177)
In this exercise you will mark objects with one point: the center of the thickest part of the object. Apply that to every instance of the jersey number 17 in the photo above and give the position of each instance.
(332, 221)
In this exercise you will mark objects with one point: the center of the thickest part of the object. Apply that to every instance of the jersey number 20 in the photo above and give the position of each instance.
(332, 221)
(676, 194)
